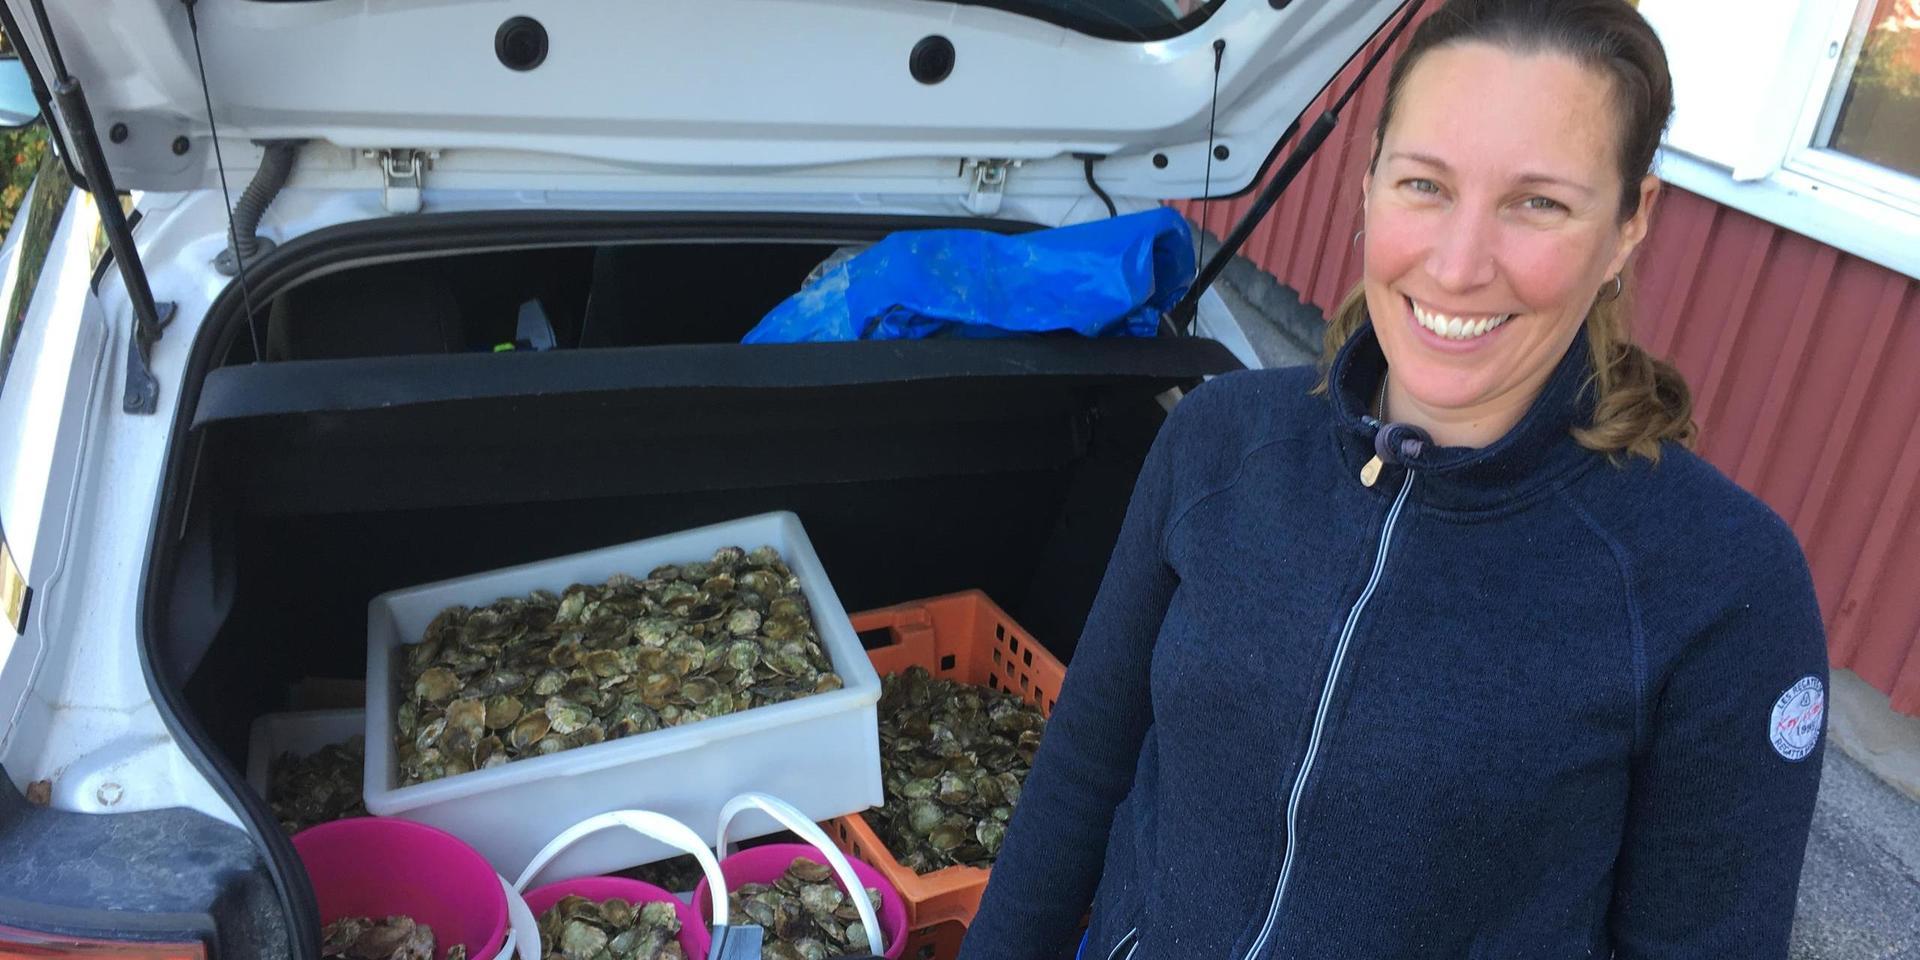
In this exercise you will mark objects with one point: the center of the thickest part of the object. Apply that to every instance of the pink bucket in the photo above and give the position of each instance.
(765, 864)
(379, 866)
(694, 938)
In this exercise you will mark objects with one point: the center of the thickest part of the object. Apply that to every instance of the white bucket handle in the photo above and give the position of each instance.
(644, 822)
(798, 822)
(523, 929)
(647, 823)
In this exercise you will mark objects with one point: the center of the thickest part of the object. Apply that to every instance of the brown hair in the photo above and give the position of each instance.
(1641, 400)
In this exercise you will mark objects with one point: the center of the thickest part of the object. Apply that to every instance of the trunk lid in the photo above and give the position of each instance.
(751, 98)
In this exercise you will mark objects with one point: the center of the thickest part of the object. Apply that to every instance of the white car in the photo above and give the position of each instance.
(204, 477)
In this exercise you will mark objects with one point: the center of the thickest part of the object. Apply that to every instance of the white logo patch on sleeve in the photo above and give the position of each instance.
(1795, 726)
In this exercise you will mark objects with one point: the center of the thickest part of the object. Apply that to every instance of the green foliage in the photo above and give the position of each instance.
(1890, 60)
(23, 151)
(42, 218)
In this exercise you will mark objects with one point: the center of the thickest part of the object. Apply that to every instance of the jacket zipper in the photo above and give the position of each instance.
(1133, 937)
(1320, 717)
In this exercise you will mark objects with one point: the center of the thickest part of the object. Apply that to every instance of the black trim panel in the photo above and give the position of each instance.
(386, 382)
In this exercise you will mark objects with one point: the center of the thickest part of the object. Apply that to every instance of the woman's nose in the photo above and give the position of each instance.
(1462, 255)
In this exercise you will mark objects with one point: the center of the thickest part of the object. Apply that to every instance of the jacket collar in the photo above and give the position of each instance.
(1533, 454)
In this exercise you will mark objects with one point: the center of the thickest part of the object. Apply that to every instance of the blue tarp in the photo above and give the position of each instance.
(1108, 278)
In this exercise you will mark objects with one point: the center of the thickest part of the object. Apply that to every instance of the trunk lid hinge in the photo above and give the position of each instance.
(403, 174)
(987, 185)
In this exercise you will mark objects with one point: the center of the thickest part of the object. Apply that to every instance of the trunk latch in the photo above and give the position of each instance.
(403, 175)
(989, 184)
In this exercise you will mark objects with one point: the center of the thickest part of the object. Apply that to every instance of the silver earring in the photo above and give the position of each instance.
(1357, 234)
(1619, 287)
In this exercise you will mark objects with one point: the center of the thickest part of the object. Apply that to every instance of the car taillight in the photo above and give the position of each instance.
(16, 944)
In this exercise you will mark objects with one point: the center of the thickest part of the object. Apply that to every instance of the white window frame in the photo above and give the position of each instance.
(1731, 142)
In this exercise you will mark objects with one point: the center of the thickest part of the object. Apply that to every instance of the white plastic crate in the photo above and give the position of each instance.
(301, 733)
(821, 752)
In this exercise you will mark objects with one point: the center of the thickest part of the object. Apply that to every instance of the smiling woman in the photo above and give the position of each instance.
(1473, 218)
(1460, 652)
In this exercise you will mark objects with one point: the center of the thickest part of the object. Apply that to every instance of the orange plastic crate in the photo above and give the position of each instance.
(963, 637)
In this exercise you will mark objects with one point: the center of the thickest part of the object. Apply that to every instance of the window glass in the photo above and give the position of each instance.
(1874, 113)
(26, 158)
(37, 222)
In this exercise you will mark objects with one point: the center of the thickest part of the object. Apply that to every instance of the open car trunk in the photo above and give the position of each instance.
(361, 457)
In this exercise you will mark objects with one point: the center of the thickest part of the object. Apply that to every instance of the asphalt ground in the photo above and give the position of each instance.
(1860, 888)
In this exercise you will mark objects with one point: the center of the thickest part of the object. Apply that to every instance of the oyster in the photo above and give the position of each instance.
(744, 622)
(953, 758)
(436, 684)
(503, 711)
(534, 675)
(579, 928)
(804, 913)
(395, 938)
(319, 788)
(565, 717)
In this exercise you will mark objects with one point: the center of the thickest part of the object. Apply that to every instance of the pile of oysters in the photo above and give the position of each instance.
(395, 938)
(804, 913)
(534, 675)
(578, 928)
(319, 788)
(953, 758)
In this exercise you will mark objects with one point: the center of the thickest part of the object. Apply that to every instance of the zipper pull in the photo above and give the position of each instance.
(1401, 441)
(1370, 474)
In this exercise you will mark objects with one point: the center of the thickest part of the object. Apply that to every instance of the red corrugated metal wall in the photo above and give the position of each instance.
(1805, 363)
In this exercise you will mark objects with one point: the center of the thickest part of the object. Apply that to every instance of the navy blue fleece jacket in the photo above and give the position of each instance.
(1509, 702)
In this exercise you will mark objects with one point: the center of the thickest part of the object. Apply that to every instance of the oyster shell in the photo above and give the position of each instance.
(503, 711)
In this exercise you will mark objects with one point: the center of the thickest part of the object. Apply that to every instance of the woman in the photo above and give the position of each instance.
(1460, 652)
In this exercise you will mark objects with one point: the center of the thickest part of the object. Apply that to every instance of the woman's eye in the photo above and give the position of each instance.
(1544, 204)
(1421, 185)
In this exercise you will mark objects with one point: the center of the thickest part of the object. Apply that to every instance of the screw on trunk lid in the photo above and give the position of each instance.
(180, 146)
(521, 43)
(931, 60)
(117, 133)
(109, 794)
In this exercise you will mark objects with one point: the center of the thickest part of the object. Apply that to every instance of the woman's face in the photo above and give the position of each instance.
(1492, 223)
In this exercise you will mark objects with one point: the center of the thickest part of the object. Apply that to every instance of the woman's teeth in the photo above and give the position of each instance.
(1456, 328)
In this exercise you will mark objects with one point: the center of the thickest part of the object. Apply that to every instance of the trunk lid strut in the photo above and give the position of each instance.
(1183, 313)
(142, 393)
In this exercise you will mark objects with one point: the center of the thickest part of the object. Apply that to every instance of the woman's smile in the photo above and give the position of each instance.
(1457, 330)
